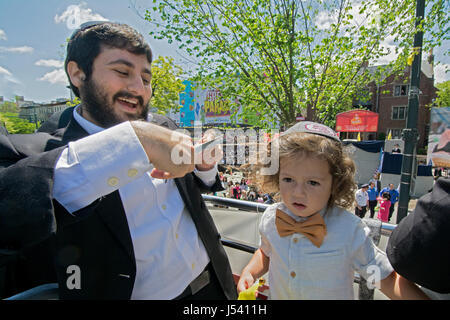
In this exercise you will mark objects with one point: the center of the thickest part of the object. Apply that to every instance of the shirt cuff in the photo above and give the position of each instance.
(97, 165)
(208, 177)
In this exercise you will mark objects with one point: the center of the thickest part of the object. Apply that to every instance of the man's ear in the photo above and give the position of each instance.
(76, 75)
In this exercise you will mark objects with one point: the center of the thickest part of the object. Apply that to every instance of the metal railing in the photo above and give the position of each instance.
(386, 228)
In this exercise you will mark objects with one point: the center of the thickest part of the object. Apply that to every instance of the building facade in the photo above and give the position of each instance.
(390, 101)
(40, 112)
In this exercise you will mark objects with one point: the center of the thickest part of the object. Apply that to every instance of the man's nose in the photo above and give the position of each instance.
(136, 86)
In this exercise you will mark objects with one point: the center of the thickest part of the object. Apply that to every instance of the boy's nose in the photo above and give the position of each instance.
(299, 190)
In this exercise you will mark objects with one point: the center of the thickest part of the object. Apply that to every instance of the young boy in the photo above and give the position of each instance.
(310, 244)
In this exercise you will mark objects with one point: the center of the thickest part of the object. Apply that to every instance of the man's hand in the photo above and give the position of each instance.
(170, 152)
(211, 154)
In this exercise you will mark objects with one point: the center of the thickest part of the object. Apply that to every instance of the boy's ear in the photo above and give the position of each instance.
(76, 75)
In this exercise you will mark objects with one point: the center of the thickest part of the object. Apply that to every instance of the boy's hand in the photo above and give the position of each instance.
(245, 281)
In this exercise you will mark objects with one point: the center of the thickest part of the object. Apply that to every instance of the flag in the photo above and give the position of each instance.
(389, 137)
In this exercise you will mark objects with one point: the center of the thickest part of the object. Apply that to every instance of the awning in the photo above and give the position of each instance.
(357, 121)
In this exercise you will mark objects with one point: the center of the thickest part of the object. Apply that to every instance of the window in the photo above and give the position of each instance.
(399, 113)
(401, 90)
(395, 133)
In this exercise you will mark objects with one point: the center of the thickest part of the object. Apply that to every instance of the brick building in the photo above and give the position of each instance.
(390, 101)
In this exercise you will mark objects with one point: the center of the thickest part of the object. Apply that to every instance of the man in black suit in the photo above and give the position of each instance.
(418, 248)
(111, 200)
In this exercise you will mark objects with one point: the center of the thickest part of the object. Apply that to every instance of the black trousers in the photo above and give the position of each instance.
(361, 213)
(391, 210)
(372, 205)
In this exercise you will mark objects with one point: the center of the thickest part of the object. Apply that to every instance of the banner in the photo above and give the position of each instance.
(357, 121)
(439, 138)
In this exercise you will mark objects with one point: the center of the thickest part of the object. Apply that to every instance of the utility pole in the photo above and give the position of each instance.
(410, 133)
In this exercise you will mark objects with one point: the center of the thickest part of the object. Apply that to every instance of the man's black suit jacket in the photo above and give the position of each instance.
(419, 247)
(96, 238)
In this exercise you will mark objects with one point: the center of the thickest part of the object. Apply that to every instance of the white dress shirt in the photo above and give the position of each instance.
(169, 253)
(300, 270)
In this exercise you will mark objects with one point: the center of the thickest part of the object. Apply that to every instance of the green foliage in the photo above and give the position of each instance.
(8, 106)
(74, 102)
(14, 124)
(166, 85)
(281, 58)
(443, 95)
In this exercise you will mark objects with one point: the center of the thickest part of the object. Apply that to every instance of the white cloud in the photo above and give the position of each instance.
(4, 71)
(442, 72)
(50, 63)
(2, 35)
(324, 20)
(75, 15)
(23, 49)
(7, 77)
(55, 76)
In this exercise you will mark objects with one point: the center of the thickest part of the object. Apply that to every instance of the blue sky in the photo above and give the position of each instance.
(33, 35)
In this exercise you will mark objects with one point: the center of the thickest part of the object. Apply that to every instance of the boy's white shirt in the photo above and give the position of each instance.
(169, 253)
(320, 273)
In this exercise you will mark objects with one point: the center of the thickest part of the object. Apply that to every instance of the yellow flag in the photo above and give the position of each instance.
(389, 137)
(359, 137)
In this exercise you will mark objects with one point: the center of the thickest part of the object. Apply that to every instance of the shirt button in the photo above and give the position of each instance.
(293, 274)
(176, 235)
(164, 207)
(193, 266)
(132, 173)
(295, 240)
(113, 181)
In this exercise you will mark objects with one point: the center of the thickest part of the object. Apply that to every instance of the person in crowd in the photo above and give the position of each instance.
(376, 181)
(361, 201)
(244, 188)
(236, 191)
(418, 247)
(311, 245)
(102, 192)
(385, 204)
(373, 195)
(396, 149)
(394, 195)
(225, 183)
(260, 197)
(268, 199)
(251, 194)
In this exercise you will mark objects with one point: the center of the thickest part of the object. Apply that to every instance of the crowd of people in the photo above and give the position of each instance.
(381, 201)
(242, 189)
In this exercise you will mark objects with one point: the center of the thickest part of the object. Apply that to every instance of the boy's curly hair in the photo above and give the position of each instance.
(299, 144)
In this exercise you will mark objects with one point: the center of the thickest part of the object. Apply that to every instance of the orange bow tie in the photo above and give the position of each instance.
(314, 228)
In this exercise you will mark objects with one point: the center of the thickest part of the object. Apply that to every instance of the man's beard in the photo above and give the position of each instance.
(95, 102)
